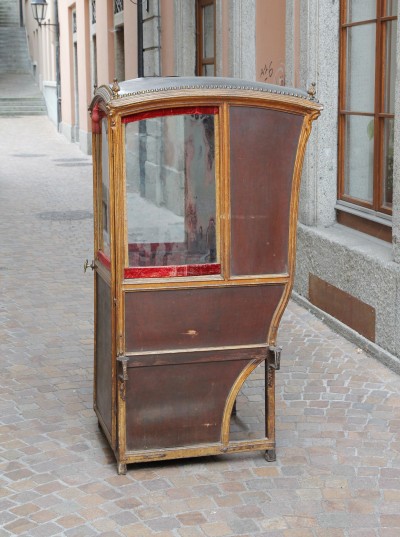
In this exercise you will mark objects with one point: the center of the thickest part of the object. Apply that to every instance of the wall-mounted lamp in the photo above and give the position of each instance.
(39, 8)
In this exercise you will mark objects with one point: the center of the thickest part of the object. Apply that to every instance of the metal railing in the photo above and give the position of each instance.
(118, 6)
(93, 11)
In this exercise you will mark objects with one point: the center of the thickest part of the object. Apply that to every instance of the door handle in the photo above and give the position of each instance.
(86, 265)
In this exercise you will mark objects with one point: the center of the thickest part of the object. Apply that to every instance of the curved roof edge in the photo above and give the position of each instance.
(141, 86)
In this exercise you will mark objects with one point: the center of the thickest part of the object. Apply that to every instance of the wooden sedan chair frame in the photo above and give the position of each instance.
(121, 387)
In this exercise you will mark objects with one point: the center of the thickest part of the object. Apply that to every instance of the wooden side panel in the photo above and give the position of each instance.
(177, 405)
(263, 152)
(103, 366)
(196, 318)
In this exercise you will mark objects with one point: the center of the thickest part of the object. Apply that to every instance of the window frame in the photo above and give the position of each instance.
(202, 62)
(379, 115)
(210, 270)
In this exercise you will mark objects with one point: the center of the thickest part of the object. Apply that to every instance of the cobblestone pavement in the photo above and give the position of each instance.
(337, 472)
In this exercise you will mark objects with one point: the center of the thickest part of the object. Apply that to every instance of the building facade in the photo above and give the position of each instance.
(348, 263)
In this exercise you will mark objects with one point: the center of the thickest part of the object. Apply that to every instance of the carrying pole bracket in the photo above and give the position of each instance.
(274, 359)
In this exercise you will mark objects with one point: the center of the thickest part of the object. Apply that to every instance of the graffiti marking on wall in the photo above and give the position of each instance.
(268, 73)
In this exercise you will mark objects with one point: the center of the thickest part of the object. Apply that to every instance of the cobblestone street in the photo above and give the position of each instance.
(337, 472)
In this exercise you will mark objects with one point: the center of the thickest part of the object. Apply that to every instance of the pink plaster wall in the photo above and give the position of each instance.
(105, 41)
(270, 41)
(66, 61)
(296, 51)
(130, 40)
(84, 83)
(167, 37)
(41, 43)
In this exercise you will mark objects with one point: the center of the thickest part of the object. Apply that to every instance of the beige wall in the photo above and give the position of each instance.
(167, 37)
(270, 41)
(130, 42)
(265, 25)
(84, 83)
(296, 46)
(41, 43)
(293, 43)
(105, 41)
(66, 62)
(73, 112)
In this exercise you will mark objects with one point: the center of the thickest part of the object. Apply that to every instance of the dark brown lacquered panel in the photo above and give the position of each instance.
(263, 152)
(203, 317)
(103, 351)
(177, 405)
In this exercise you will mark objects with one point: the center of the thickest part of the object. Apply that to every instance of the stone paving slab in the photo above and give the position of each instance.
(337, 472)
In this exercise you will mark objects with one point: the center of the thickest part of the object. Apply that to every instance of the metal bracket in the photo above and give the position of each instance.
(86, 265)
(122, 389)
(124, 377)
(124, 362)
(274, 360)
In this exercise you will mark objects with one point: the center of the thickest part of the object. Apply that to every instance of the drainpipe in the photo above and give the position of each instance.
(21, 14)
(140, 38)
(58, 74)
(159, 36)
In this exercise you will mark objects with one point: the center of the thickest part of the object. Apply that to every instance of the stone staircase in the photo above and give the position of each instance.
(9, 12)
(22, 106)
(14, 55)
(19, 94)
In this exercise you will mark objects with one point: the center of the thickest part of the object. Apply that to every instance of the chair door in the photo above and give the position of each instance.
(104, 351)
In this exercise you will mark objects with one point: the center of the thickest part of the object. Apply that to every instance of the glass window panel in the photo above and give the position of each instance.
(359, 157)
(171, 196)
(208, 31)
(388, 149)
(361, 10)
(208, 69)
(390, 66)
(105, 190)
(391, 8)
(360, 69)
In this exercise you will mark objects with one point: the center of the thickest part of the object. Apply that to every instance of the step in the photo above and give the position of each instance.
(12, 32)
(23, 112)
(23, 105)
(29, 113)
(8, 59)
(40, 108)
(9, 14)
(33, 100)
(14, 70)
(17, 37)
(14, 53)
(23, 108)
(13, 108)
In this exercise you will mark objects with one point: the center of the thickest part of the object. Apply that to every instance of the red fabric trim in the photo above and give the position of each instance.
(101, 256)
(172, 271)
(97, 116)
(171, 112)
